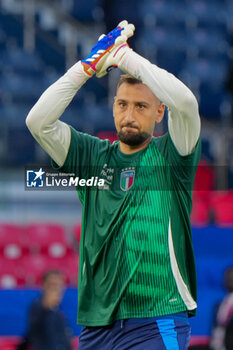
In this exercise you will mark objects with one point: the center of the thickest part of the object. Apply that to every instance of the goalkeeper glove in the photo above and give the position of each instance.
(114, 40)
(113, 59)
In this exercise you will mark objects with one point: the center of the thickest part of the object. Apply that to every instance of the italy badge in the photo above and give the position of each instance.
(127, 179)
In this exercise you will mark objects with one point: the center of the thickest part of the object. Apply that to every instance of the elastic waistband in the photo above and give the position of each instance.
(182, 316)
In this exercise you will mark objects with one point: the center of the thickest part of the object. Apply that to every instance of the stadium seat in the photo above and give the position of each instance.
(15, 114)
(109, 135)
(47, 238)
(12, 26)
(200, 211)
(203, 68)
(162, 12)
(76, 116)
(9, 342)
(21, 140)
(20, 61)
(161, 38)
(21, 88)
(222, 204)
(205, 177)
(35, 265)
(213, 12)
(207, 148)
(208, 41)
(214, 101)
(70, 267)
(85, 11)
(171, 59)
(12, 241)
(203, 186)
(3, 40)
(97, 117)
(77, 232)
(96, 92)
(11, 274)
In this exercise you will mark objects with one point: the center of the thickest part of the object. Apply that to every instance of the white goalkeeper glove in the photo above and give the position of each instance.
(112, 44)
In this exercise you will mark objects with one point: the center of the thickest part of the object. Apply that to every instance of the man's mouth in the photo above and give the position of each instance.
(129, 128)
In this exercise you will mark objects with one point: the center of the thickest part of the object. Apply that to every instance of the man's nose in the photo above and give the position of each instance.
(129, 114)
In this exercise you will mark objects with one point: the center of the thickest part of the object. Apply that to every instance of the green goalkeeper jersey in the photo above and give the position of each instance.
(136, 255)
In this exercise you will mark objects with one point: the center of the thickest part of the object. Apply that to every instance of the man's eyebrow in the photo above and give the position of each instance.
(142, 103)
(121, 100)
(136, 102)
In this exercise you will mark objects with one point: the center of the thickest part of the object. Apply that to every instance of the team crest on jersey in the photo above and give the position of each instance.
(127, 179)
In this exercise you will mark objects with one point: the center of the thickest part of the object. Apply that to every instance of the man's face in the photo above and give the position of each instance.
(136, 111)
(53, 290)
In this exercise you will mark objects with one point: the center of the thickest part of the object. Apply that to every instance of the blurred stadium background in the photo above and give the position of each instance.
(39, 40)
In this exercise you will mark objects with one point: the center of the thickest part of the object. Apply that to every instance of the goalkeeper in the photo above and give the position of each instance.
(137, 279)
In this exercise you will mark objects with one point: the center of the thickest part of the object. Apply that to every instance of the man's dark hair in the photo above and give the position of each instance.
(49, 273)
(128, 79)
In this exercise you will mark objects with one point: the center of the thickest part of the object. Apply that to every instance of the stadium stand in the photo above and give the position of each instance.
(36, 264)
(77, 232)
(12, 244)
(11, 274)
(222, 204)
(47, 239)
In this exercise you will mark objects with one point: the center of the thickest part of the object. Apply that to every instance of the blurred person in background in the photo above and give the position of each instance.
(222, 335)
(48, 329)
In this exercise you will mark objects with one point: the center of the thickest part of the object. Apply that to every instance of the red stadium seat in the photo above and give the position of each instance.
(109, 135)
(74, 343)
(47, 238)
(77, 232)
(70, 269)
(68, 265)
(35, 265)
(222, 204)
(9, 342)
(205, 178)
(11, 274)
(200, 210)
(203, 186)
(12, 241)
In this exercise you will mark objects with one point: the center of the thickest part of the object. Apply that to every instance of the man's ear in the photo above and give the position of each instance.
(160, 113)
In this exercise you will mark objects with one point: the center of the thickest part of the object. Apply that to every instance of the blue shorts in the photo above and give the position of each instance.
(158, 333)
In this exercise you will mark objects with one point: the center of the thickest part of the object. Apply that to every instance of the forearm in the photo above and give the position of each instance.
(184, 120)
(52, 134)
